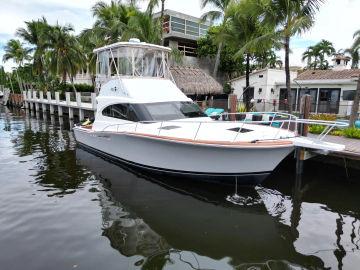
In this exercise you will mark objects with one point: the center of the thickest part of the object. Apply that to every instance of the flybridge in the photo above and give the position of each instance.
(132, 59)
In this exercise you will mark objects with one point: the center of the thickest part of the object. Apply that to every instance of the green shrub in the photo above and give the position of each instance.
(316, 129)
(241, 107)
(81, 87)
(337, 132)
(323, 117)
(352, 133)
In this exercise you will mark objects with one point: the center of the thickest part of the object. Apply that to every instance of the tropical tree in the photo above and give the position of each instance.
(215, 14)
(64, 55)
(207, 47)
(242, 25)
(88, 41)
(316, 55)
(267, 59)
(152, 4)
(3, 79)
(144, 27)
(35, 34)
(325, 48)
(288, 18)
(111, 19)
(308, 56)
(15, 50)
(355, 50)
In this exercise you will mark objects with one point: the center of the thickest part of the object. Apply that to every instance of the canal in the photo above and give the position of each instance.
(62, 207)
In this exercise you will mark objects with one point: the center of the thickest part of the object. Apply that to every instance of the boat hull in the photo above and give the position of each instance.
(250, 165)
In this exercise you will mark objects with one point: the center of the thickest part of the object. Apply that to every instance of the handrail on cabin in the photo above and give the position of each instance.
(330, 125)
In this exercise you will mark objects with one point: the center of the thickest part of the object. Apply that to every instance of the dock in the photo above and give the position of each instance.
(352, 146)
(35, 100)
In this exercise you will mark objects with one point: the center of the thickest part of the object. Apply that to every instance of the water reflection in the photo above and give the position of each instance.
(171, 214)
(52, 147)
(157, 222)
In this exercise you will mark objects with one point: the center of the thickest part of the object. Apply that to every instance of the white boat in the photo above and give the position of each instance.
(144, 120)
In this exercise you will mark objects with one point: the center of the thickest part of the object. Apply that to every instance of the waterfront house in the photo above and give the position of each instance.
(332, 90)
(263, 88)
(182, 31)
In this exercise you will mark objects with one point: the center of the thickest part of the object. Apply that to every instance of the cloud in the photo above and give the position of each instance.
(336, 20)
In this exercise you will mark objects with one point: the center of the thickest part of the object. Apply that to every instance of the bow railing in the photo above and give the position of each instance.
(287, 125)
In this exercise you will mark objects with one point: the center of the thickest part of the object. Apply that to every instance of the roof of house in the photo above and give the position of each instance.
(328, 74)
(194, 81)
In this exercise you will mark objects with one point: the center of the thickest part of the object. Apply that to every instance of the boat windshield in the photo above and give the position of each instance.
(161, 111)
(173, 110)
(133, 61)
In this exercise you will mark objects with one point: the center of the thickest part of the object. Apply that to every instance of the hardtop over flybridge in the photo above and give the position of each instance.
(143, 119)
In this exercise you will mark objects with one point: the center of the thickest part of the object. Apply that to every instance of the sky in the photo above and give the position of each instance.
(336, 21)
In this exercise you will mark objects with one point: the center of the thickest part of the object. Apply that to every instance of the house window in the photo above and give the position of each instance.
(349, 95)
(178, 25)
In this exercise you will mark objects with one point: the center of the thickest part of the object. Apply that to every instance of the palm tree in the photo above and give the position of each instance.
(112, 19)
(215, 14)
(288, 18)
(242, 26)
(355, 50)
(143, 27)
(35, 34)
(88, 41)
(15, 50)
(308, 55)
(324, 48)
(319, 51)
(152, 4)
(64, 54)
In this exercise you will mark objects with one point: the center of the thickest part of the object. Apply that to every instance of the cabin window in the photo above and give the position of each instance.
(121, 111)
(349, 95)
(173, 110)
(160, 111)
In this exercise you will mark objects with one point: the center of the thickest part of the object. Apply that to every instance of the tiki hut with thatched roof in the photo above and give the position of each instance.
(195, 82)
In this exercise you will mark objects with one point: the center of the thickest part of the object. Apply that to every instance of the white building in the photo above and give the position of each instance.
(82, 77)
(262, 88)
(332, 91)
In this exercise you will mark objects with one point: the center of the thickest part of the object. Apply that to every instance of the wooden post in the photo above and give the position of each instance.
(303, 129)
(305, 106)
(232, 106)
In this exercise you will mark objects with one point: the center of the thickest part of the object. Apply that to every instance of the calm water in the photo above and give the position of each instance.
(64, 208)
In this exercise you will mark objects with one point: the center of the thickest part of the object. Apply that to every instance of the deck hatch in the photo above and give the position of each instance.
(242, 130)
